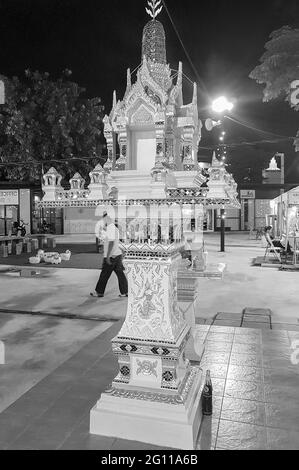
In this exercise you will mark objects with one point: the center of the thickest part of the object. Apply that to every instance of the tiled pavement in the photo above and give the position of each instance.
(258, 318)
(256, 396)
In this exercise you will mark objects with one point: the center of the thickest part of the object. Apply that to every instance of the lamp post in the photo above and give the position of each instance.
(281, 155)
(222, 231)
(219, 106)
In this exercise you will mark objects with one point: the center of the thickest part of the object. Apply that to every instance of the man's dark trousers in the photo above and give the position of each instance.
(107, 269)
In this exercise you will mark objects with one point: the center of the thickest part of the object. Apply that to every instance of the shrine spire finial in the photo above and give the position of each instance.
(155, 8)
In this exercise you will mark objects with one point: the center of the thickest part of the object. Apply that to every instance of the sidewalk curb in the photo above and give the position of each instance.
(70, 316)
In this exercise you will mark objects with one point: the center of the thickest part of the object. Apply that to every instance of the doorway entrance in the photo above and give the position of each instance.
(8, 215)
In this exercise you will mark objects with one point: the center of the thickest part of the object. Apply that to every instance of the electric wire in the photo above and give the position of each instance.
(200, 81)
(249, 126)
(233, 145)
(136, 68)
(184, 75)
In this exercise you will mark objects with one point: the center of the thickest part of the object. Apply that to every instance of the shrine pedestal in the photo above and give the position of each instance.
(156, 395)
(152, 418)
(189, 303)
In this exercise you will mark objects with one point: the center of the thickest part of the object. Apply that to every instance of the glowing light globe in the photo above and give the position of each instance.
(222, 104)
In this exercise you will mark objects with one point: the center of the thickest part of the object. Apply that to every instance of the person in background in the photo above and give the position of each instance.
(278, 243)
(14, 229)
(22, 228)
(112, 260)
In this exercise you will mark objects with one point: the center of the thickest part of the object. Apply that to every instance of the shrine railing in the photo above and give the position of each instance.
(72, 194)
(206, 201)
(180, 193)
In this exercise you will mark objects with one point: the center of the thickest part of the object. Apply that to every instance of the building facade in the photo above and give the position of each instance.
(17, 202)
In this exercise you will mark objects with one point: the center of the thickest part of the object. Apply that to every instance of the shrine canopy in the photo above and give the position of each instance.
(152, 139)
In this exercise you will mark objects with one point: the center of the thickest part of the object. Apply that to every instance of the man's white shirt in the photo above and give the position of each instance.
(112, 235)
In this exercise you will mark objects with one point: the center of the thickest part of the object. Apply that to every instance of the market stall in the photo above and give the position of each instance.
(285, 212)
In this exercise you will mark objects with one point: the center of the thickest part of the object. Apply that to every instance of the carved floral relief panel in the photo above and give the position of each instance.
(153, 312)
(142, 116)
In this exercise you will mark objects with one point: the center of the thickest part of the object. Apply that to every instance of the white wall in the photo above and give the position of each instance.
(143, 150)
(80, 220)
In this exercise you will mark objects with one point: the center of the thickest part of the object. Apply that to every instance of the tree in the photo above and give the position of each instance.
(50, 123)
(279, 67)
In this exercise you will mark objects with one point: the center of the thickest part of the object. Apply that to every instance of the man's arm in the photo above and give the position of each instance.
(110, 247)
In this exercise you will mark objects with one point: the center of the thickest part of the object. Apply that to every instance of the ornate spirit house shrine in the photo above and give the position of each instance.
(157, 134)
(156, 394)
(152, 140)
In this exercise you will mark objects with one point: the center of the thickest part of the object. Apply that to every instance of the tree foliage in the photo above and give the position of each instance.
(279, 66)
(48, 122)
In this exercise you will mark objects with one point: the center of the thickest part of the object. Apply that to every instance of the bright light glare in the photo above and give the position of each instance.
(222, 104)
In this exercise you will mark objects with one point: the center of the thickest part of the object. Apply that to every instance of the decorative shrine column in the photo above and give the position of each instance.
(181, 154)
(52, 185)
(98, 188)
(158, 182)
(170, 143)
(188, 160)
(217, 184)
(169, 150)
(122, 140)
(155, 397)
(160, 140)
(197, 242)
(108, 133)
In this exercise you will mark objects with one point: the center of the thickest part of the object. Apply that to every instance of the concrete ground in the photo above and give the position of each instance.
(66, 291)
(244, 285)
(60, 292)
(255, 396)
(35, 346)
(56, 368)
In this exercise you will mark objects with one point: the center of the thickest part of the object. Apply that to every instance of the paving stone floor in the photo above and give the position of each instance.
(242, 285)
(256, 398)
(258, 318)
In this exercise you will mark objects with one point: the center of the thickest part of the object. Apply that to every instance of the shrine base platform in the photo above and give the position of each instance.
(164, 422)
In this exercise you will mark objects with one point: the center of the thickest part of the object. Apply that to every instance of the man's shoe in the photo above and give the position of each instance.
(95, 294)
(123, 295)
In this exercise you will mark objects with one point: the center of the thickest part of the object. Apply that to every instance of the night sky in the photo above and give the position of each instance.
(99, 39)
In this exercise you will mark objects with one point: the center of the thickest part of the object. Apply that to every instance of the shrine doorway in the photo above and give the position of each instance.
(143, 150)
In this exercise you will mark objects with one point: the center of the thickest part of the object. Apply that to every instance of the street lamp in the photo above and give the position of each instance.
(222, 231)
(222, 104)
(219, 106)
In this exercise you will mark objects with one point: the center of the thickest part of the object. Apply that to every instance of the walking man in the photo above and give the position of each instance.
(112, 260)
